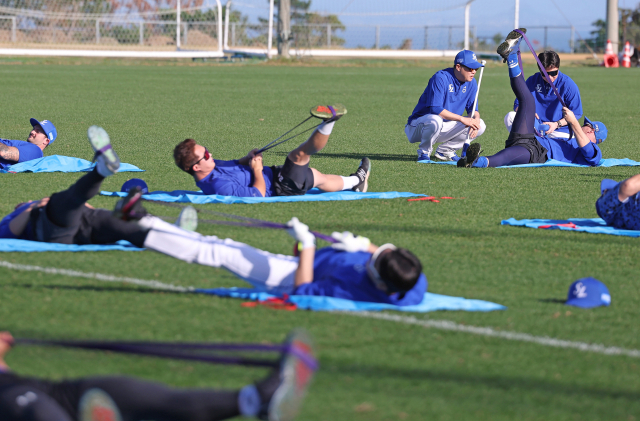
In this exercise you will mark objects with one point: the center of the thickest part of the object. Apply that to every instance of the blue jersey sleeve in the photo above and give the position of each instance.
(592, 154)
(572, 98)
(436, 93)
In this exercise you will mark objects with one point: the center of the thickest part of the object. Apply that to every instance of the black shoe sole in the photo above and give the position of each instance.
(505, 49)
(472, 154)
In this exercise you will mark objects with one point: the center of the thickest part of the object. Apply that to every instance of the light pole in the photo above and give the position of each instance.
(467, 9)
(612, 24)
(517, 19)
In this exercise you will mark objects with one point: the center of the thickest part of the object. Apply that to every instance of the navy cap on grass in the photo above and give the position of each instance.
(135, 182)
(588, 293)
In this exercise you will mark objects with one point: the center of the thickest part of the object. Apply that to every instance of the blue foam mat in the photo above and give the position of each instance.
(610, 162)
(593, 226)
(313, 195)
(60, 163)
(431, 302)
(26, 246)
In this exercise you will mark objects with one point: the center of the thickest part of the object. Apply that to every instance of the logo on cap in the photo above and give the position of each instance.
(474, 56)
(580, 291)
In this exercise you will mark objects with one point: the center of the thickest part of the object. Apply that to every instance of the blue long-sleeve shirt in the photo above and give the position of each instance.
(445, 92)
(343, 274)
(230, 178)
(570, 151)
(5, 232)
(548, 106)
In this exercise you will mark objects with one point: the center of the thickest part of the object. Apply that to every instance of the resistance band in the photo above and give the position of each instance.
(183, 351)
(272, 145)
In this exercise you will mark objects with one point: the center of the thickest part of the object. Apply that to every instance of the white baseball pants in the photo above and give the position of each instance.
(511, 115)
(431, 129)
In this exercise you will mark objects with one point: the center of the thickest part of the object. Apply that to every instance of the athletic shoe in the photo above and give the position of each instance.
(362, 173)
(510, 44)
(329, 112)
(283, 391)
(130, 207)
(188, 219)
(480, 162)
(423, 157)
(472, 154)
(96, 405)
(437, 157)
(107, 160)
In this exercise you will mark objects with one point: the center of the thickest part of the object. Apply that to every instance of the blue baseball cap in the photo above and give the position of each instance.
(135, 182)
(467, 58)
(48, 128)
(588, 293)
(607, 184)
(599, 128)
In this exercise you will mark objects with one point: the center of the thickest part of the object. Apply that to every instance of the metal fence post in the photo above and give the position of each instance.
(449, 42)
(141, 32)
(233, 33)
(328, 35)
(186, 33)
(426, 38)
(13, 29)
(377, 37)
(572, 40)
(97, 31)
(545, 37)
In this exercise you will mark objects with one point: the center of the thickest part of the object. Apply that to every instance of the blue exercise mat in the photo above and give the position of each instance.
(593, 226)
(431, 302)
(60, 163)
(610, 162)
(14, 245)
(313, 195)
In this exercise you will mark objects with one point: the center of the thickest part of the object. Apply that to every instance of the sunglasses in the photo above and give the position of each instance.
(206, 157)
(468, 69)
(551, 73)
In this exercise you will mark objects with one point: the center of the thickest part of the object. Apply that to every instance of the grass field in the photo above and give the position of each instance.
(370, 369)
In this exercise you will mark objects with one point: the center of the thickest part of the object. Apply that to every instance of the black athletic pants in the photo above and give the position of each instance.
(136, 399)
(67, 220)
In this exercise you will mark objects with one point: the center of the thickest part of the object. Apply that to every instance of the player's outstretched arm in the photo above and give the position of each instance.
(467, 121)
(10, 153)
(307, 249)
(573, 122)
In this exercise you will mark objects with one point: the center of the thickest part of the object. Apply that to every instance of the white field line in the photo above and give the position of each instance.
(97, 276)
(512, 336)
(436, 324)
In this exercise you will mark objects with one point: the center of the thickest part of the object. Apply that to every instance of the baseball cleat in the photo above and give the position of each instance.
(481, 162)
(97, 405)
(284, 390)
(423, 157)
(188, 219)
(362, 173)
(510, 44)
(472, 154)
(437, 157)
(106, 158)
(130, 207)
(329, 112)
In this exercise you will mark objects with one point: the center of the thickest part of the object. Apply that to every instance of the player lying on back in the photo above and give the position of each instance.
(352, 268)
(523, 145)
(248, 177)
(43, 133)
(619, 203)
(118, 398)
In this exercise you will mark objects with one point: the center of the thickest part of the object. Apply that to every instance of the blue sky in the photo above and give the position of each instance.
(488, 16)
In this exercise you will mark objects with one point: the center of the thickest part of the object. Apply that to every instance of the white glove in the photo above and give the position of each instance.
(348, 242)
(300, 232)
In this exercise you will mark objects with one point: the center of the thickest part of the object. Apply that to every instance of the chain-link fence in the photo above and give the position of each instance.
(111, 33)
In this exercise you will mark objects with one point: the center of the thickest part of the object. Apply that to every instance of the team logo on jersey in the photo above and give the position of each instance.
(580, 291)
(464, 89)
(451, 87)
(538, 88)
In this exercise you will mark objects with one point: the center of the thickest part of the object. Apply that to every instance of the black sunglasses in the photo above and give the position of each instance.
(468, 69)
(551, 73)
(206, 157)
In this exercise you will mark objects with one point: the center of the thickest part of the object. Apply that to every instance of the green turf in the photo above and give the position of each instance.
(371, 369)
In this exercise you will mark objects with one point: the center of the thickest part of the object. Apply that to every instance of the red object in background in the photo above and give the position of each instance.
(432, 198)
(611, 60)
(275, 303)
(626, 56)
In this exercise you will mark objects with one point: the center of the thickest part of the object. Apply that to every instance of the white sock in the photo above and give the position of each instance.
(349, 182)
(326, 127)
(249, 401)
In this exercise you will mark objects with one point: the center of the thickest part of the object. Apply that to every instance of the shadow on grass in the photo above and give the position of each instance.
(552, 300)
(133, 288)
(373, 157)
(376, 374)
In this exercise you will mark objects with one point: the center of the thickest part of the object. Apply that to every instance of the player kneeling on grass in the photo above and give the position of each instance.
(247, 177)
(524, 146)
(352, 268)
(619, 203)
(117, 398)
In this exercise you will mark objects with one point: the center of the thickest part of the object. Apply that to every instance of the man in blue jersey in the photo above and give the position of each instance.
(248, 177)
(619, 203)
(352, 268)
(437, 118)
(43, 133)
(523, 146)
(548, 105)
